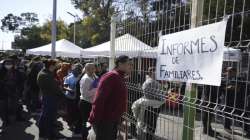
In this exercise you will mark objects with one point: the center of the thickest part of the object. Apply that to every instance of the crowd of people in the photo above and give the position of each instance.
(85, 93)
(52, 87)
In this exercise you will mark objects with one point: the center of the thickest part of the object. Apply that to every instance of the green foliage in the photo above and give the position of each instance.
(11, 23)
(238, 30)
(62, 30)
(30, 38)
(169, 16)
(36, 36)
(32, 17)
(145, 19)
(15, 23)
(95, 26)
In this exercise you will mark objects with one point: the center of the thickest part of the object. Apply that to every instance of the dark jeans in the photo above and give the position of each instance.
(32, 100)
(47, 127)
(150, 119)
(237, 110)
(4, 111)
(209, 95)
(133, 95)
(105, 130)
(10, 106)
(85, 109)
(208, 113)
(229, 118)
(247, 124)
(207, 116)
(72, 111)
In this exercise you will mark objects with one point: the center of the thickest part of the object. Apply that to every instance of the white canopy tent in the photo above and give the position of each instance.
(126, 44)
(64, 48)
(230, 54)
(131, 46)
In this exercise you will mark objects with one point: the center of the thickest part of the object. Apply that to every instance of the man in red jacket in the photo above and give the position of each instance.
(110, 100)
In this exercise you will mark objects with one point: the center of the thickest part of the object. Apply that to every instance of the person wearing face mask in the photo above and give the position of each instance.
(70, 94)
(50, 92)
(10, 88)
(104, 69)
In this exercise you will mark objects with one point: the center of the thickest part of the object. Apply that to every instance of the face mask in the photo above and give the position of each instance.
(52, 68)
(8, 67)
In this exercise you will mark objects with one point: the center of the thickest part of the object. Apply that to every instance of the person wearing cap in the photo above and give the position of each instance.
(110, 100)
(50, 92)
(70, 94)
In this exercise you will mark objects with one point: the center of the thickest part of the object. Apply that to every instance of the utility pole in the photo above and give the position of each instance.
(74, 25)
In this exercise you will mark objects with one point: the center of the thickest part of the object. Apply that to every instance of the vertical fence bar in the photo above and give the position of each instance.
(190, 94)
(200, 102)
(53, 32)
(112, 43)
(189, 112)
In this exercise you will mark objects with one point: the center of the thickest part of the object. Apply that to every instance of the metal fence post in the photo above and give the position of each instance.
(190, 93)
(112, 43)
(53, 38)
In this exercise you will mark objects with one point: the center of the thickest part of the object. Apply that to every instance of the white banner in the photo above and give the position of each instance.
(193, 56)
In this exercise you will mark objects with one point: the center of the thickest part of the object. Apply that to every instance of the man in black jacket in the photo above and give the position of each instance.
(50, 92)
(210, 96)
(11, 91)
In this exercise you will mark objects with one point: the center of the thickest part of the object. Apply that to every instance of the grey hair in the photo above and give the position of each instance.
(87, 66)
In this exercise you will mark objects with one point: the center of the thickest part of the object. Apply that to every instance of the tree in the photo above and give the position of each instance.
(16, 23)
(154, 17)
(30, 38)
(62, 30)
(145, 19)
(35, 36)
(11, 23)
(29, 19)
(95, 7)
(96, 22)
(79, 33)
(238, 31)
(169, 16)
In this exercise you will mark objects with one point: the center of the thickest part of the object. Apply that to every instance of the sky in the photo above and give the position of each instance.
(42, 7)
